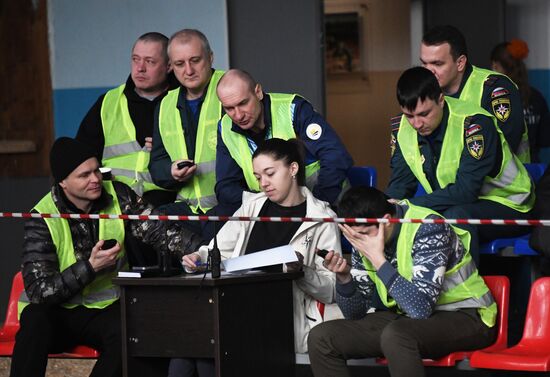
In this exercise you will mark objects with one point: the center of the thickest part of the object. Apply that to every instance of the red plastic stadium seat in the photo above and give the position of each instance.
(500, 289)
(532, 353)
(321, 308)
(11, 326)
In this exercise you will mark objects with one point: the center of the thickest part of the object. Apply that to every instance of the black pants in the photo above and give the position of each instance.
(401, 340)
(53, 329)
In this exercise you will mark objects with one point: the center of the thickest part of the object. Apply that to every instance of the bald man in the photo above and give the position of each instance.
(252, 116)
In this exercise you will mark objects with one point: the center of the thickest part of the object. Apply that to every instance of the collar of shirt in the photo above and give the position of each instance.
(266, 105)
(182, 99)
(66, 206)
(133, 96)
(467, 72)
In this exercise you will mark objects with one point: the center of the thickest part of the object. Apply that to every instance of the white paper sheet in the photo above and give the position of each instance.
(269, 257)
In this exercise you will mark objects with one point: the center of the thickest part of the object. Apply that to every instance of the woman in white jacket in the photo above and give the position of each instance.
(280, 172)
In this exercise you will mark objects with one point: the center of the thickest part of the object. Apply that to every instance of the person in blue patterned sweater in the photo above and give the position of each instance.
(408, 285)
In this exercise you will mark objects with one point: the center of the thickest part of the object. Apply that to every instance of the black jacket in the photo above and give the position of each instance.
(43, 280)
(142, 112)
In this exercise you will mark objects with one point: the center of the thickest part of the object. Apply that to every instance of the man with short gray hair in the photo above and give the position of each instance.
(183, 158)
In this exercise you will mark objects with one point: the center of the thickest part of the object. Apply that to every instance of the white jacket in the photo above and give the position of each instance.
(318, 283)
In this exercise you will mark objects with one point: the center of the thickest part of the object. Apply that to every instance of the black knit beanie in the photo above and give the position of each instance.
(66, 155)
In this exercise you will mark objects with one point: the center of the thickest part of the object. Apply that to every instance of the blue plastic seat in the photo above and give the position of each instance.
(362, 175)
(521, 246)
(495, 246)
(359, 176)
(536, 171)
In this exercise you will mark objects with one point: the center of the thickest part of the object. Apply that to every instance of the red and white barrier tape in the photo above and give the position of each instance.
(275, 219)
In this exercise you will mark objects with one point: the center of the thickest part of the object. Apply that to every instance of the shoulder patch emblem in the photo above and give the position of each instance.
(475, 146)
(472, 129)
(499, 92)
(314, 131)
(501, 108)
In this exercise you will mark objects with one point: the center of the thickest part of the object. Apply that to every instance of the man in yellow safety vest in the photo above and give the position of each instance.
(68, 264)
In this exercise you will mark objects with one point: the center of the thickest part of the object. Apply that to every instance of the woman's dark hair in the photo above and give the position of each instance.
(417, 83)
(364, 201)
(447, 34)
(513, 67)
(288, 151)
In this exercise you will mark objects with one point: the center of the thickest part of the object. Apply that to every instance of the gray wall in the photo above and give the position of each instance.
(91, 42)
(481, 22)
(16, 195)
(279, 42)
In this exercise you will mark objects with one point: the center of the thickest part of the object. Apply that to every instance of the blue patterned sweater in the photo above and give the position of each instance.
(436, 249)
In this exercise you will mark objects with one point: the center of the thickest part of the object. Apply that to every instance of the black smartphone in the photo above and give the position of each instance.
(185, 164)
(108, 244)
(322, 253)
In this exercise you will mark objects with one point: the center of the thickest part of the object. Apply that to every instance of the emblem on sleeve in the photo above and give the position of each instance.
(314, 131)
(501, 108)
(474, 128)
(499, 92)
(475, 146)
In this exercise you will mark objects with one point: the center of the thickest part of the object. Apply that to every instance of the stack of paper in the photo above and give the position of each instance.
(269, 257)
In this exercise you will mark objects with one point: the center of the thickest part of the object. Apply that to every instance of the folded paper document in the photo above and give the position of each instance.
(269, 257)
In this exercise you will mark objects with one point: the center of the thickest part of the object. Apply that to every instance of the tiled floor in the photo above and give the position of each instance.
(57, 367)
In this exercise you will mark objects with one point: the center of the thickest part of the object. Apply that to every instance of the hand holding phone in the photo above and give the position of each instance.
(185, 164)
(109, 244)
(322, 253)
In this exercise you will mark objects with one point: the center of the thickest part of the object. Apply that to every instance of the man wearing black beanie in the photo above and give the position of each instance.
(68, 268)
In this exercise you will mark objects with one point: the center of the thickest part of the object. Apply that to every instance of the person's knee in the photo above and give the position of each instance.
(111, 338)
(111, 334)
(395, 338)
(37, 319)
(314, 339)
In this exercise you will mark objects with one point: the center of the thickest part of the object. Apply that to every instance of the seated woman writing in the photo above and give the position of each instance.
(278, 166)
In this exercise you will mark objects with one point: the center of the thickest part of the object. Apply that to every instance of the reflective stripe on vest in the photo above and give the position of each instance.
(281, 127)
(121, 152)
(198, 192)
(101, 292)
(473, 92)
(462, 287)
(511, 187)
